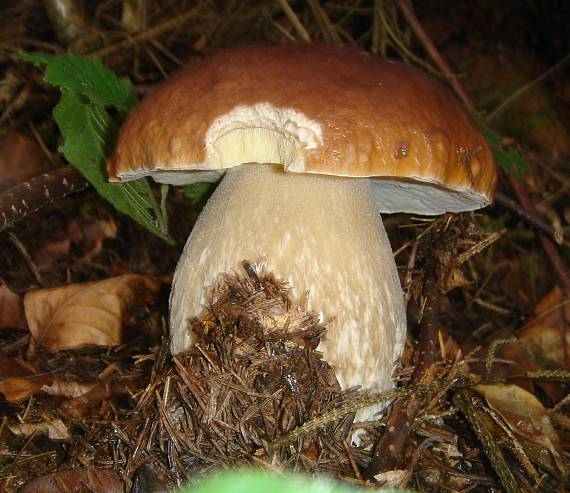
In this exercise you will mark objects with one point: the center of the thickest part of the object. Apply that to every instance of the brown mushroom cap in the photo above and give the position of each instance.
(334, 110)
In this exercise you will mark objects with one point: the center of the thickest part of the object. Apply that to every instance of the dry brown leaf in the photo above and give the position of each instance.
(18, 379)
(528, 419)
(67, 389)
(54, 429)
(85, 314)
(456, 280)
(92, 402)
(11, 308)
(549, 329)
(391, 479)
(21, 158)
(76, 481)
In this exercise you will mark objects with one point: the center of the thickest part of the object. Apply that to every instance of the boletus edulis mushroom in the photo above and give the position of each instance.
(313, 142)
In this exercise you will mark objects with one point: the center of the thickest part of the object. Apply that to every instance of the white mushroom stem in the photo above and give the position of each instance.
(321, 233)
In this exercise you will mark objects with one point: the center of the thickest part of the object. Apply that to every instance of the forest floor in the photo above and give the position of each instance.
(482, 397)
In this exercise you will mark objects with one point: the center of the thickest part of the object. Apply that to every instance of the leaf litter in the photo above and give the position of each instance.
(487, 331)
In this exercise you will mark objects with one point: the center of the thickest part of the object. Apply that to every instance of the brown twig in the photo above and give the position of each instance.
(21, 200)
(146, 35)
(519, 92)
(533, 220)
(66, 18)
(434, 53)
(427, 344)
(472, 408)
(549, 247)
(522, 195)
(389, 450)
(294, 20)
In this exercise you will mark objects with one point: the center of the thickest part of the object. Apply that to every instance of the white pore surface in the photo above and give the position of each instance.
(322, 234)
(423, 197)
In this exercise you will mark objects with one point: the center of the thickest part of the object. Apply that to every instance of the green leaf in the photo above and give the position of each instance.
(88, 131)
(198, 192)
(508, 159)
(86, 76)
(245, 481)
(88, 89)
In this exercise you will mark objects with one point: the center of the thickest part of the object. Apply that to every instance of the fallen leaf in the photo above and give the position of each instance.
(19, 380)
(67, 389)
(11, 308)
(85, 314)
(54, 429)
(549, 329)
(21, 158)
(529, 420)
(391, 479)
(76, 481)
(92, 402)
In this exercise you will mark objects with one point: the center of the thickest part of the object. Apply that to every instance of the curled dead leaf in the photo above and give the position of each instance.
(54, 429)
(19, 379)
(391, 479)
(85, 314)
(67, 389)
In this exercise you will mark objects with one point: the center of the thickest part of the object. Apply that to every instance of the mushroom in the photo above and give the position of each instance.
(314, 142)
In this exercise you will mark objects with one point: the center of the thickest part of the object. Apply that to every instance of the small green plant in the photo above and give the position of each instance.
(197, 193)
(89, 90)
(509, 159)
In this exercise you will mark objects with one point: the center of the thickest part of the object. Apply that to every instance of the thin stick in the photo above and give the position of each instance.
(21, 200)
(153, 32)
(549, 247)
(473, 409)
(293, 19)
(534, 221)
(434, 53)
(520, 91)
(389, 449)
(28, 259)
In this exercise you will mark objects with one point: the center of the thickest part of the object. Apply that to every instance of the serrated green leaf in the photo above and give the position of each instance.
(510, 160)
(197, 192)
(88, 77)
(88, 88)
(88, 132)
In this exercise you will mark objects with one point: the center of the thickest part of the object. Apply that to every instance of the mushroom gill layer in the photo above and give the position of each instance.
(322, 234)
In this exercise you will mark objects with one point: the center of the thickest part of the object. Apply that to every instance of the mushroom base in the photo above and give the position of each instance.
(324, 236)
